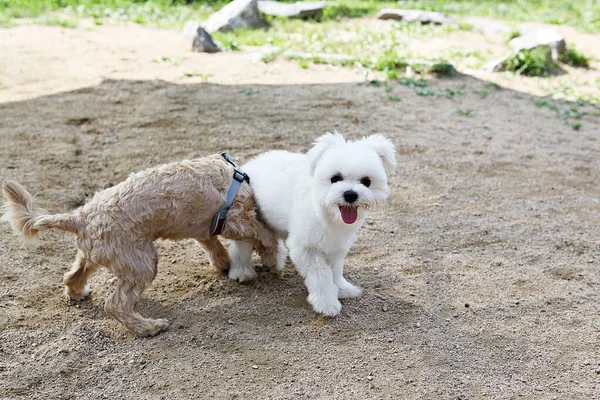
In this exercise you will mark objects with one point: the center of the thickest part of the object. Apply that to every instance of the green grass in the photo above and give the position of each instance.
(303, 64)
(575, 58)
(57, 20)
(567, 111)
(481, 93)
(584, 14)
(535, 62)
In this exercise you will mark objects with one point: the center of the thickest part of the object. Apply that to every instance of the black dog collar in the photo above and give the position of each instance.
(218, 221)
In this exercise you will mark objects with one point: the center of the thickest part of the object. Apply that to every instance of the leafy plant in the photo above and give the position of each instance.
(575, 58)
(534, 62)
(413, 83)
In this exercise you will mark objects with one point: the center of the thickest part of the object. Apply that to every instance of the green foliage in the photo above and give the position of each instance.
(575, 58)
(581, 14)
(425, 92)
(303, 64)
(442, 69)
(535, 62)
(481, 93)
(389, 61)
(465, 112)
(413, 83)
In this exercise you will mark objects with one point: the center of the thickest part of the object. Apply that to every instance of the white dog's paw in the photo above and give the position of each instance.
(87, 291)
(348, 290)
(326, 305)
(242, 274)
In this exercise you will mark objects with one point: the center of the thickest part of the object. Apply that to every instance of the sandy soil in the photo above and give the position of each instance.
(481, 274)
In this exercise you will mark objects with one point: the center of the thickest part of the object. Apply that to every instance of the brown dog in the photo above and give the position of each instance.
(117, 227)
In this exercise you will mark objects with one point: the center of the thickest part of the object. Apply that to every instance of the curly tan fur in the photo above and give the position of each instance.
(117, 228)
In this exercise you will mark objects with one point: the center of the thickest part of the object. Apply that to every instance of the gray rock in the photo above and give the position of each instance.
(198, 38)
(203, 42)
(237, 14)
(424, 17)
(536, 38)
(300, 9)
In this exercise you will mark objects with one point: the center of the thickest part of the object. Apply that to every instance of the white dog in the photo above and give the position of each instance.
(318, 202)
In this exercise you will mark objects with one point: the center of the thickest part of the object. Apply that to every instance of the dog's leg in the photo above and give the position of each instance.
(347, 290)
(135, 271)
(75, 280)
(318, 278)
(216, 253)
(281, 257)
(241, 261)
(248, 233)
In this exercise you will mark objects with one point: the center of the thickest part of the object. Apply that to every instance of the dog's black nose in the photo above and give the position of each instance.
(350, 196)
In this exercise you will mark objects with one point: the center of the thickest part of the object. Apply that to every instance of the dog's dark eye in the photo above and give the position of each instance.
(336, 178)
(366, 182)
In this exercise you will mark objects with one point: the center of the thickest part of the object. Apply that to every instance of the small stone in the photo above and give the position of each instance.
(467, 305)
(418, 324)
(254, 366)
(424, 17)
(230, 321)
(203, 43)
(3, 367)
(64, 351)
(591, 260)
(370, 377)
(384, 308)
(288, 324)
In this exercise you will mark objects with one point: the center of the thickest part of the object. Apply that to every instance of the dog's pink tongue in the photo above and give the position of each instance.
(349, 214)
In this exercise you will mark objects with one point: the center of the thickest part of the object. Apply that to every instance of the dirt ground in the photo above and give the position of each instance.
(481, 274)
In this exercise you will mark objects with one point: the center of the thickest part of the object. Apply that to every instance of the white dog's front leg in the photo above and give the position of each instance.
(318, 277)
(347, 290)
(241, 268)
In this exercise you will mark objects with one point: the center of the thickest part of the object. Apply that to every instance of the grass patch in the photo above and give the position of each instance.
(413, 83)
(303, 64)
(481, 93)
(465, 112)
(248, 92)
(581, 14)
(57, 20)
(575, 58)
(569, 115)
(535, 62)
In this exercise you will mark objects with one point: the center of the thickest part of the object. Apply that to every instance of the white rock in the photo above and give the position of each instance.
(237, 14)
(300, 9)
(535, 38)
(424, 17)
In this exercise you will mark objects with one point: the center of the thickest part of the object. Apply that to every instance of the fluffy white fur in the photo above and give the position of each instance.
(298, 200)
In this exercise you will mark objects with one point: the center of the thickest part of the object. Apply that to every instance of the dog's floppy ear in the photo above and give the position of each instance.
(321, 144)
(385, 149)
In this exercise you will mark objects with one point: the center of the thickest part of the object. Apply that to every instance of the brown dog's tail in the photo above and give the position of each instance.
(26, 219)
